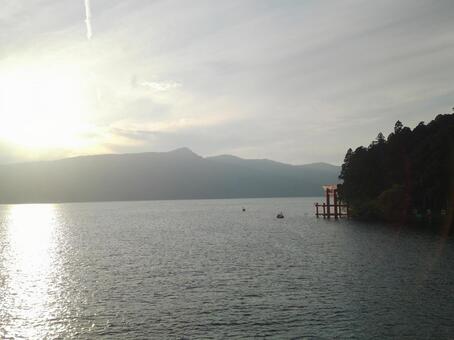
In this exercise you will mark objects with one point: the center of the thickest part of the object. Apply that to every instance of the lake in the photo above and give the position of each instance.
(206, 269)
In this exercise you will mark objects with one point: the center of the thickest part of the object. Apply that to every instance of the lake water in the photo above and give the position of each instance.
(205, 269)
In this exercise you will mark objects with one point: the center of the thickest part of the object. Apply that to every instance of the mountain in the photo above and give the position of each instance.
(178, 174)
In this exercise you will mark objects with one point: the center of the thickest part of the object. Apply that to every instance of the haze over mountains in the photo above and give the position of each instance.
(178, 174)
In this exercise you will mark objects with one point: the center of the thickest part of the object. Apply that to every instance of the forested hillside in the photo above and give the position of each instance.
(407, 175)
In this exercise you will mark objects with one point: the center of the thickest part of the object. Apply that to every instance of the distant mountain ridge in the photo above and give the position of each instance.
(177, 174)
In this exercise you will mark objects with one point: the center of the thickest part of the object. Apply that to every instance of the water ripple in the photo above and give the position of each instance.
(205, 269)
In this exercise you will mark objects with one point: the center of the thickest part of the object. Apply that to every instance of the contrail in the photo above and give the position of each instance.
(91, 75)
(88, 19)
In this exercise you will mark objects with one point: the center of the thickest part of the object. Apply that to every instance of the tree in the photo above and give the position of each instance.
(346, 164)
(415, 167)
(380, 138)
(398, 127)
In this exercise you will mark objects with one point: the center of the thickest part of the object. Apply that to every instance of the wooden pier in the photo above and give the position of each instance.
(332, 207)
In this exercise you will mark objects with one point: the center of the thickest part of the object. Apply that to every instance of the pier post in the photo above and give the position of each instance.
(333, 206)
(328, 203)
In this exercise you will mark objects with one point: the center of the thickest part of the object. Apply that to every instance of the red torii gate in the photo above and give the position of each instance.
(339, 209)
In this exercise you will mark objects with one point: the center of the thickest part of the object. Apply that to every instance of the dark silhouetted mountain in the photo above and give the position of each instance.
(178, 174)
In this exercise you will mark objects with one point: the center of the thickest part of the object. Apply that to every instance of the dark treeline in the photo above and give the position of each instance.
(408, 175)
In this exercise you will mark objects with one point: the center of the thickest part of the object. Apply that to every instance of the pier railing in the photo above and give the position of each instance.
(331, 210)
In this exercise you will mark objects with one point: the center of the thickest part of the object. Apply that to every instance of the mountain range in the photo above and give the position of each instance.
(178, 174)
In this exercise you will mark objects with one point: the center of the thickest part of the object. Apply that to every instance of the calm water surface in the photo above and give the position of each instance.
(205, 269)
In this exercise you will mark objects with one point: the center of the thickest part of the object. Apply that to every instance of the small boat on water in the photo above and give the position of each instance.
(280, 215)
(244, 209)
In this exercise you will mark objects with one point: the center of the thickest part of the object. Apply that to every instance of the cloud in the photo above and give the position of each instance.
(298, 81)
(160, 86)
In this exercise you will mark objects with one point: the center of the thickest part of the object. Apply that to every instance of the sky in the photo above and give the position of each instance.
(293, 81)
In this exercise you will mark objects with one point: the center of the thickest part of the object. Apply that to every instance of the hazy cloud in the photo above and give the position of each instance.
(297, 81)
(160, 86)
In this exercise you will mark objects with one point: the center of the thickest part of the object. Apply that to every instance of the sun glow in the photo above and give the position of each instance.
(45, 107)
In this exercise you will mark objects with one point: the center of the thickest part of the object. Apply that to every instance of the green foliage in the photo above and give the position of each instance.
(411, 170)
(393, 203)
(366, 210)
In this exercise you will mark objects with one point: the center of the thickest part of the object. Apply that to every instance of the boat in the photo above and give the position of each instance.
(280, 215)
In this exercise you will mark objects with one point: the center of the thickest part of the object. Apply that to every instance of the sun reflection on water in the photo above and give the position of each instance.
(28, 266)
